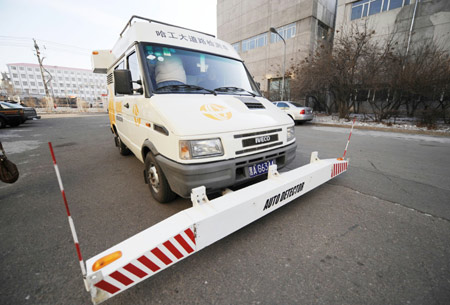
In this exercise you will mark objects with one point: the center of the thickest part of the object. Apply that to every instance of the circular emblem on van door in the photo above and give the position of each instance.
(216, 112)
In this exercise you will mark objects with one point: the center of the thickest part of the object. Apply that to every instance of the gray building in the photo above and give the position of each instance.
(304, 24)
(65, 82)
(413, 22)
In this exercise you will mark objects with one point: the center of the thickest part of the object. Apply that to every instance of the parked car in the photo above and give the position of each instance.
(29, 112)
(297, 112)
(12, 116)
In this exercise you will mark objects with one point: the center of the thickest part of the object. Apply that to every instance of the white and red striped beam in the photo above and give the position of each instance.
(71, 224)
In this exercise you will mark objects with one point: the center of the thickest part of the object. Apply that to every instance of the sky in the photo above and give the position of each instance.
(67, 31)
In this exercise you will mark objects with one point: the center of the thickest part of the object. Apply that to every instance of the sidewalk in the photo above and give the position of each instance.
(401, 125)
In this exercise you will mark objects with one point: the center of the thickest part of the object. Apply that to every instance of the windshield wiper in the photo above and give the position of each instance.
(233, 89)
(193, 87)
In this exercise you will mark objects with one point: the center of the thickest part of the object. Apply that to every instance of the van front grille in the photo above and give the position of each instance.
(260, 140)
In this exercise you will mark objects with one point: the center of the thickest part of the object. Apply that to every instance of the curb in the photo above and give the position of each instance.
(422, 132)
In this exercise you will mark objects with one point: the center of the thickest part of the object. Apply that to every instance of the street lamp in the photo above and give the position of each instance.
(273, 30)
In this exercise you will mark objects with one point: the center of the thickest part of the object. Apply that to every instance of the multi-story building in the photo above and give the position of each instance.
(65, 82)
(304, 24)
(410, 22)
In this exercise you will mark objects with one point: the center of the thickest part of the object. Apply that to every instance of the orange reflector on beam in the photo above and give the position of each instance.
(106, 260)
(95, 53)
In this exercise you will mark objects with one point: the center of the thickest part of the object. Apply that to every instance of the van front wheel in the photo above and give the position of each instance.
(157, 182)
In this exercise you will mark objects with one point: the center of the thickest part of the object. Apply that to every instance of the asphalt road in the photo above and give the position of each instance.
(378, 234)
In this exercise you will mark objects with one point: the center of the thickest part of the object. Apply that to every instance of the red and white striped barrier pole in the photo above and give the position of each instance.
(350, 135)
(71, 224)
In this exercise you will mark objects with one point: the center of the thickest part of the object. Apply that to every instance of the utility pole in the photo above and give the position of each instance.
(38, 54)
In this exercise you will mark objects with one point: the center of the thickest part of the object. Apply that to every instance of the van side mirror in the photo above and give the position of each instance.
(123, 83)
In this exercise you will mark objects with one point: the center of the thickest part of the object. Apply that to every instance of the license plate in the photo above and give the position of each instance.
(260, 168)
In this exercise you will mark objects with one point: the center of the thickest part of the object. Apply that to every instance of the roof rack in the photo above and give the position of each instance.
(149, 20)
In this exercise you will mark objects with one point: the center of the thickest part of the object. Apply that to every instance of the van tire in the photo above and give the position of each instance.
(157, 182)
(123, 149)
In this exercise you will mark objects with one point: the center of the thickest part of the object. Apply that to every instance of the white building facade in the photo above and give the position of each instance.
(65, 82)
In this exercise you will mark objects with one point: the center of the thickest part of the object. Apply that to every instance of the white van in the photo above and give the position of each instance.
(184, 104)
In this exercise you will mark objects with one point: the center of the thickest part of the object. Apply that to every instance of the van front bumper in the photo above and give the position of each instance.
(219, 175)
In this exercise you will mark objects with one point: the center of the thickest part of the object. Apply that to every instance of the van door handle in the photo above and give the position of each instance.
(126, 105)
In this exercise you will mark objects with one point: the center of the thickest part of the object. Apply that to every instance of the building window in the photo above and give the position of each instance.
(25, 83)
(23, 75)
(32, 84)
(29, 69)
(322, 31)
(16, 83)
(275, 89)
(364, 8)
(13, 68)
(254, 42)
(236, 46)
(15, 75)
(21, 68)
(287, 31)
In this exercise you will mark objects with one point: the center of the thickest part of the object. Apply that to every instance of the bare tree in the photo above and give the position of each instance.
(362, 68)
(338, 71)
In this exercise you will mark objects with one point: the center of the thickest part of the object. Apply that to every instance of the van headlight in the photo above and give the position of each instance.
(200, 148)
(290, 133)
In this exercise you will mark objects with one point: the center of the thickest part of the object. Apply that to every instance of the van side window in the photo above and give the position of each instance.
(120, 66)
(133, 66)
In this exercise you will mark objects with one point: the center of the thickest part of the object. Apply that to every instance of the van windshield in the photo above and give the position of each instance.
(173, 70)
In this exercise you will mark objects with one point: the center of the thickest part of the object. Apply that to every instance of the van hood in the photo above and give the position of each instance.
(195, 114)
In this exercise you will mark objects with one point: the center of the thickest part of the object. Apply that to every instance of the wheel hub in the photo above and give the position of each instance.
(153, 178)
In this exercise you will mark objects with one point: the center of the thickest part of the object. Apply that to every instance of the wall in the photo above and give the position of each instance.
(432, 22)
(240, 20)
